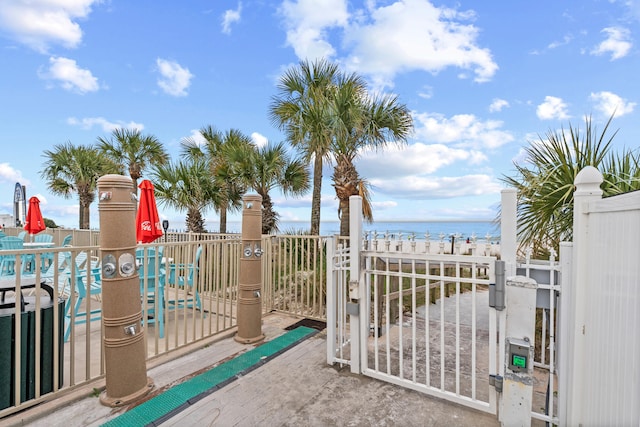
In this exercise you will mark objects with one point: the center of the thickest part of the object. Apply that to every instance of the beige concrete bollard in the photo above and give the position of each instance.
(124, 336)
(250, 278)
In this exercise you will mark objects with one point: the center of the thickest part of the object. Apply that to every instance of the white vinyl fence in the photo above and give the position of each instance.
(600, 313)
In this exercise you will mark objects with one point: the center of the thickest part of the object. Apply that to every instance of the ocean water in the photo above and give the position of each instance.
(404, 229)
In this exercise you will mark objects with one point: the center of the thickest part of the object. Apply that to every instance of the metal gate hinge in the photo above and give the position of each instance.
(496, 382)
(496, 290)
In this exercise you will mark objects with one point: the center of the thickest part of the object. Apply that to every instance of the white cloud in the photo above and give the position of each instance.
(497, 105)
(617, 43)
(429, 187)
(403, 36)
(259, 140)
(608, 103)
(415, 35)
(197, 137)
(414, 159)
(462, 130)
(633, 8)
(307, 21)
(326, 201)
(381, 206)
(39, 24)
(174, 79)
(10, 175)
(565, 41)
(66, 72)
(552, 108)
(107, 126)
(230, 17)
(426, 93)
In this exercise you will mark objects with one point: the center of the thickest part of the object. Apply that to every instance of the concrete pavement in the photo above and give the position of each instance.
(296, 388)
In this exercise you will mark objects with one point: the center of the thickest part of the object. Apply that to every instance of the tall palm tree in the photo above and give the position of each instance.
(545, 180)
(215, 154)
(362, 122)
(267, 168)
(302, 109)
(73, 169)
(186, 186)
(134, 151)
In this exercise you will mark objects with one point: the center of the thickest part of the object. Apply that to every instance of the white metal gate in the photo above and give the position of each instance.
(424, 321)
(338, 337)
(430, 325)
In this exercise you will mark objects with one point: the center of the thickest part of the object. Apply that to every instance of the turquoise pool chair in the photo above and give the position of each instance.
(185, 276)
(84, 280)
(8, 261)
(152, 282)
(67, 240)
(46, 258)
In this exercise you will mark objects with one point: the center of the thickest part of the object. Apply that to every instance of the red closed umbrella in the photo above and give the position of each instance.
(34, 222)
(148, 226)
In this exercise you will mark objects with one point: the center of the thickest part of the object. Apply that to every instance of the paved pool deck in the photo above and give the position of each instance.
(295, 387)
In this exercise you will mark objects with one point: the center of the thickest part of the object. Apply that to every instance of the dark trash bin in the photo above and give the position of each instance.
(26, 307)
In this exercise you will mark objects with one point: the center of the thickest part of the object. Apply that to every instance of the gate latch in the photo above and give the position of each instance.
(353, 290)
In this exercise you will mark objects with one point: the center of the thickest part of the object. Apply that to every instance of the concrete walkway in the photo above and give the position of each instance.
(296, 388)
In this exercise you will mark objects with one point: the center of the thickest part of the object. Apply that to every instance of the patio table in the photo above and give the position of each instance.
(9, 285)
(38, 245)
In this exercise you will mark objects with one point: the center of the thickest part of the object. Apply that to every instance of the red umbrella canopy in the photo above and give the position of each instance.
(34, 222)
(148, 227)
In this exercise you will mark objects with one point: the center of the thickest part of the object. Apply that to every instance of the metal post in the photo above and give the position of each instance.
(332, 309)
(509, 230)
(124, 336)
(587, 189)
(356, 307)
(517, 395)
(250, 279)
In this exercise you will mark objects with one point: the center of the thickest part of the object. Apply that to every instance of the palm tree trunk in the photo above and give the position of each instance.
(85, 198)
(223, 218)
(344, 217)
(315, 199)
(84, 216)
(345, 182)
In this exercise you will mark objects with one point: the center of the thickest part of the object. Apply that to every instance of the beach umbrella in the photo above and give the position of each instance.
(34, 222)
(148, 226)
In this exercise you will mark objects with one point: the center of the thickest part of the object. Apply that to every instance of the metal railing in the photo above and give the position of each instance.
(294, 282)
(295, 275)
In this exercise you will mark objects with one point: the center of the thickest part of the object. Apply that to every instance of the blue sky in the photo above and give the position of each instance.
(482, 79)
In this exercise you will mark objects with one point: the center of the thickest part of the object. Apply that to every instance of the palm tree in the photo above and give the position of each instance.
(186, 186)
(362, 122)
(264, 169)
(545, 180)
(215, 154)
(75, 169)
(134, 151)
(302, 110)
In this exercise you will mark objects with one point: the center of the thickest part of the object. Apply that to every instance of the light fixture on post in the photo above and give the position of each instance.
(165, 227)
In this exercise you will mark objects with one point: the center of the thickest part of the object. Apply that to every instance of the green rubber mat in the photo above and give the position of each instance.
(162, 407)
